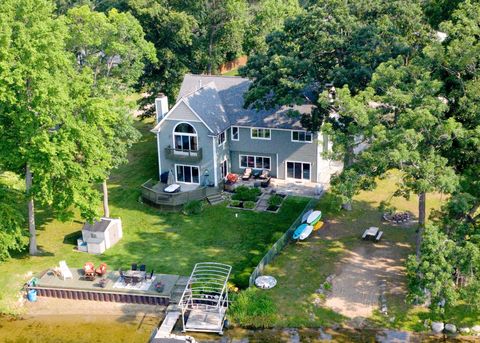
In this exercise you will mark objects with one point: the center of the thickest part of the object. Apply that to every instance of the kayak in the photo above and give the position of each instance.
(305, 216)
(314, 217)
(318, 225)
(299, 230)
(305, 233)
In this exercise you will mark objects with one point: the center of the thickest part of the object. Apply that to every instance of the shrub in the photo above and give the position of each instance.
(249, 204)
(275, 200)
(193, 207)
(235, 203)
(253, 308)
(244, 193)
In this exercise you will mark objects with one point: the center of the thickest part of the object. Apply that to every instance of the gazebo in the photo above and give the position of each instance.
(204, 301)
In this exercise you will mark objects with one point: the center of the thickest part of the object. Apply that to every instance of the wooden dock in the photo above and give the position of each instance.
(49, 285)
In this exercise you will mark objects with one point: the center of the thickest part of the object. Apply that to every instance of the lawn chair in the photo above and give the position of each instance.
(264, 175)
(101, 270)
(143, 268)
(89, 271)
(134, 266)
(247, 174)
(65, 271)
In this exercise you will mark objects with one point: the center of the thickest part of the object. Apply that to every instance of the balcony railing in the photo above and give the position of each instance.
(184, 155)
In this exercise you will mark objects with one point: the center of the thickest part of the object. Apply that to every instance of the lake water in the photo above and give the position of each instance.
(105, 329)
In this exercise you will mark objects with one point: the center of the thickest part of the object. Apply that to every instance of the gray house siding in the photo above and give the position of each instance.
(279, 148)
(165, 137)
(223, 153)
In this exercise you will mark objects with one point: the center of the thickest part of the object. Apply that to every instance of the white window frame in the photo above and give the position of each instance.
(174, 134)
(293, 178)
(258, 130)
(191, 166)
(238, 133)
(224, 135)
(300, 141)
(254, 161)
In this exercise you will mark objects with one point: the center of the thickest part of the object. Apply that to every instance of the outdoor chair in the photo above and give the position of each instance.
(143, 268)
(89, 271)
(247, 174)
(134, 266)
(127, 279)
(65, 271)
(264, 175)
(101, 270)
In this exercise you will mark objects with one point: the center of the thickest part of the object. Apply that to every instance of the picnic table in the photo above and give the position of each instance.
(372, 232)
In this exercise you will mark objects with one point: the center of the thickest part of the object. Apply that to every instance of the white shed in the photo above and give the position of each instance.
(101, 235)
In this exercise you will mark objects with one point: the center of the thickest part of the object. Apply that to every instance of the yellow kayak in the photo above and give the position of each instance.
(318, 226)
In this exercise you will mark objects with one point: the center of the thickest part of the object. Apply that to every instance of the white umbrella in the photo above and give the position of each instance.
(170, 179)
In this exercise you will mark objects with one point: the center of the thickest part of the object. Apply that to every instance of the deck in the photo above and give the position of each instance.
(49, 285)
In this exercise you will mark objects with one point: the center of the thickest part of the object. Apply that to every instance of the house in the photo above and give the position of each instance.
(208, 134)
(100, 235)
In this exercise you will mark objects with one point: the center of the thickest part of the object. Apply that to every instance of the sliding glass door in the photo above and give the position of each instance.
(298, 170)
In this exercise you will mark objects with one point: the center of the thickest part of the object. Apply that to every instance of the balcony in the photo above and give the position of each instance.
(183, 155)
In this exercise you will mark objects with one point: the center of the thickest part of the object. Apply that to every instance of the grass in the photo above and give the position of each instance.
(233, 72)
(168, 242)
(302, 267)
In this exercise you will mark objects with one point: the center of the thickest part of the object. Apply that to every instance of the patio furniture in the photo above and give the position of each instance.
(231, 177)
(101, 270)
(173, 188)
(247, 174)
(103, 282)
(134, 266)
(143, 268)
(377, 239)
(150, 276)
(256, 173)
(264, 175)
(134, 276)
(371, 232)
(265, 182)
(89, 271)
(65, 271)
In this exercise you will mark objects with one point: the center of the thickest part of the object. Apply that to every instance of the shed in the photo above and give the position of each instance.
(100, 235)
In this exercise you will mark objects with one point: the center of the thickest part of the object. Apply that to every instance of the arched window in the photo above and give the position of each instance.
(185, 137)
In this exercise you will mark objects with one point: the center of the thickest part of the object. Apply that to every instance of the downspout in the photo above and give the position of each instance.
(215, 161)
(159, 159)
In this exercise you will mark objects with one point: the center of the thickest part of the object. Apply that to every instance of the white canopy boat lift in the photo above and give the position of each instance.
(204, 302)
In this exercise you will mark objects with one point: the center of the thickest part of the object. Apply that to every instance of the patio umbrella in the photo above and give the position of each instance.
(170, 179)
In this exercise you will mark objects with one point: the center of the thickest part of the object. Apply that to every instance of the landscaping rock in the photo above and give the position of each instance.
(437, 327)
(451, 328)
(476, 329)
(465, 330)
(330, 278)
(336, 326)
(324, 336)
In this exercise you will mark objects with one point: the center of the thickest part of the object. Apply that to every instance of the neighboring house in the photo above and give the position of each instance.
(208, 133)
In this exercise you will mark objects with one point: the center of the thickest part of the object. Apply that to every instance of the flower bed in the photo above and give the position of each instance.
(275, 202)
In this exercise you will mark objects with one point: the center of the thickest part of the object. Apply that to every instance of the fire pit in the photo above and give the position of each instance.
(397, 217)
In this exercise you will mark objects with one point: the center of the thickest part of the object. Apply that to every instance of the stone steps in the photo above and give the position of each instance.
(215, 199)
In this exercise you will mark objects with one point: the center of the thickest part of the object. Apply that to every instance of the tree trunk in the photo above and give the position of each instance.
(421, 220)
(349, 155)
(31, 213)
(106, 210)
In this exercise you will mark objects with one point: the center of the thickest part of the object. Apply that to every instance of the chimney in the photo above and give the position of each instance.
(161, 106)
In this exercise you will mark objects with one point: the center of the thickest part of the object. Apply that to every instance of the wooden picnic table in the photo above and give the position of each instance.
(372, 232)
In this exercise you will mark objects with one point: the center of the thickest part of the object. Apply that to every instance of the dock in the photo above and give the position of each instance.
(50, 285)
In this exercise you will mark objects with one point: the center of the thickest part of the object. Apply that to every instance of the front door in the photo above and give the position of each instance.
(298, 170)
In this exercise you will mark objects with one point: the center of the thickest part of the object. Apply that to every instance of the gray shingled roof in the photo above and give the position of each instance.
(218, 100)
(97, 226)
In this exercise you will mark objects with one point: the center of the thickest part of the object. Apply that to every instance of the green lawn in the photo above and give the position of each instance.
(167, 242)
(302, 267)
(233, 72)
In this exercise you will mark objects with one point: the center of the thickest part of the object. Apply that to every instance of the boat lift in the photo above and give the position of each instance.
(204, 301)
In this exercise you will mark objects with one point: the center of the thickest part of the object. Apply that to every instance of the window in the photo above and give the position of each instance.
(224, 168)
(188, 174)
(257, 162)
(221, 138)
(185, 137)
(260, 133)
(298, 170)
(235, 133)
(301, 136)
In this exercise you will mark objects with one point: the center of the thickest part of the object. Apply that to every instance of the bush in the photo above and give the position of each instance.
(253, 308)
(275, 200)
(249, 204)
(235, 203)
(244, 193)
(193, 207)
